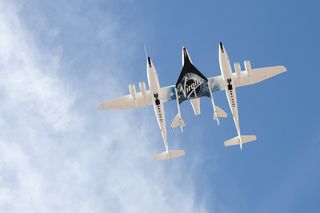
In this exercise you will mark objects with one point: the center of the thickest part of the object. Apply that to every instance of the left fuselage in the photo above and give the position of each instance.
(226, 72)
(154, 86)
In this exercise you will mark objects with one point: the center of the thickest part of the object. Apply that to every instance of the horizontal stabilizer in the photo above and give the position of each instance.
(236, 140)
(167, 155)
(220, 113)
(177, 121)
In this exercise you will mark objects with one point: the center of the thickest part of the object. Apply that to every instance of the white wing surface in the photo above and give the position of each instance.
(217, 83)
(245, 78)
(128, 102)
(139, 100)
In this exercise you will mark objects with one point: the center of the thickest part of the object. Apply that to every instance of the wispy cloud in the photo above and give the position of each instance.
(57, 152)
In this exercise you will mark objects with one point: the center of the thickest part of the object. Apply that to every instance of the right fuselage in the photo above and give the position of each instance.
(226, 72)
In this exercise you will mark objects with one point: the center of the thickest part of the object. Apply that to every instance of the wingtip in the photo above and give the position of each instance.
(101, 107)
(284, 69)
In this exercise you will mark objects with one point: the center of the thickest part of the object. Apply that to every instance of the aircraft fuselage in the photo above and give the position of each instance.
(226, 72)
(158, 108)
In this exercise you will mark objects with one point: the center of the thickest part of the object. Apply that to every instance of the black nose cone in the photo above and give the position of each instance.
(149, 61)
(221, 46)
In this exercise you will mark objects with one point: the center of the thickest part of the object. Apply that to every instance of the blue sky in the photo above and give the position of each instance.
(59, 60)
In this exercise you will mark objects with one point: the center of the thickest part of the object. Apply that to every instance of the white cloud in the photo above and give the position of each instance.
(58, 156)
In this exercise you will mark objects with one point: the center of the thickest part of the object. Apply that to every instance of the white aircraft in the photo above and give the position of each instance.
(192, 85)
(240, 78)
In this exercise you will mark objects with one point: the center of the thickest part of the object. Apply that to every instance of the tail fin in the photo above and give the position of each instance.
(220, 113)
(238, 141)
(168, 155)
(177, 121)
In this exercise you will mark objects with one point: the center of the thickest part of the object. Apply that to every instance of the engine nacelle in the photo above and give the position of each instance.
(143, 89)
(247, 66)
(132, 89)
(237, 68)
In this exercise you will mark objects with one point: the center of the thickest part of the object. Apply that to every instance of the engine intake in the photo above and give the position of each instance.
(132, 89)
(247, 66)
(143, 90)
(237, 68)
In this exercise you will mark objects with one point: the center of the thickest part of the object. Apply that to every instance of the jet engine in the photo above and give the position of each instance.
(132, 89)
(143, 90)
(237, 68)
(247, 66)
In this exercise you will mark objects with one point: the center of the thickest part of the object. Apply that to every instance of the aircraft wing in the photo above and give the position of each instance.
(216, 83)
(168, 93)
(245, 78)
(256, 75)
(128, 102)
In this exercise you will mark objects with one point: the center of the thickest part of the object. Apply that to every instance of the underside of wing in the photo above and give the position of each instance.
(128, 102)
(244, 78)
(253, 76)
(168, 93)
(217, 83)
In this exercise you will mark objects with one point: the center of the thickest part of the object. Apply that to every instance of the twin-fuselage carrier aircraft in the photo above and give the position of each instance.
(191, 86)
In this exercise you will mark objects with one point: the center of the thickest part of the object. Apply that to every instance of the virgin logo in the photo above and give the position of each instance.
(189, 87)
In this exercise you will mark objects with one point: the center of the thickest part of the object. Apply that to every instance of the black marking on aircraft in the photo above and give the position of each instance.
(230, 88)
(149, 61)
(156, 96)
(221, 47)
(229, 84)
(191, 82)
(157, 102)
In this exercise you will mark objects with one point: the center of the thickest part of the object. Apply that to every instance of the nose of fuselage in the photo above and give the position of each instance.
(221, 47)
(150, 66)
(149, 62)
(222, 52)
